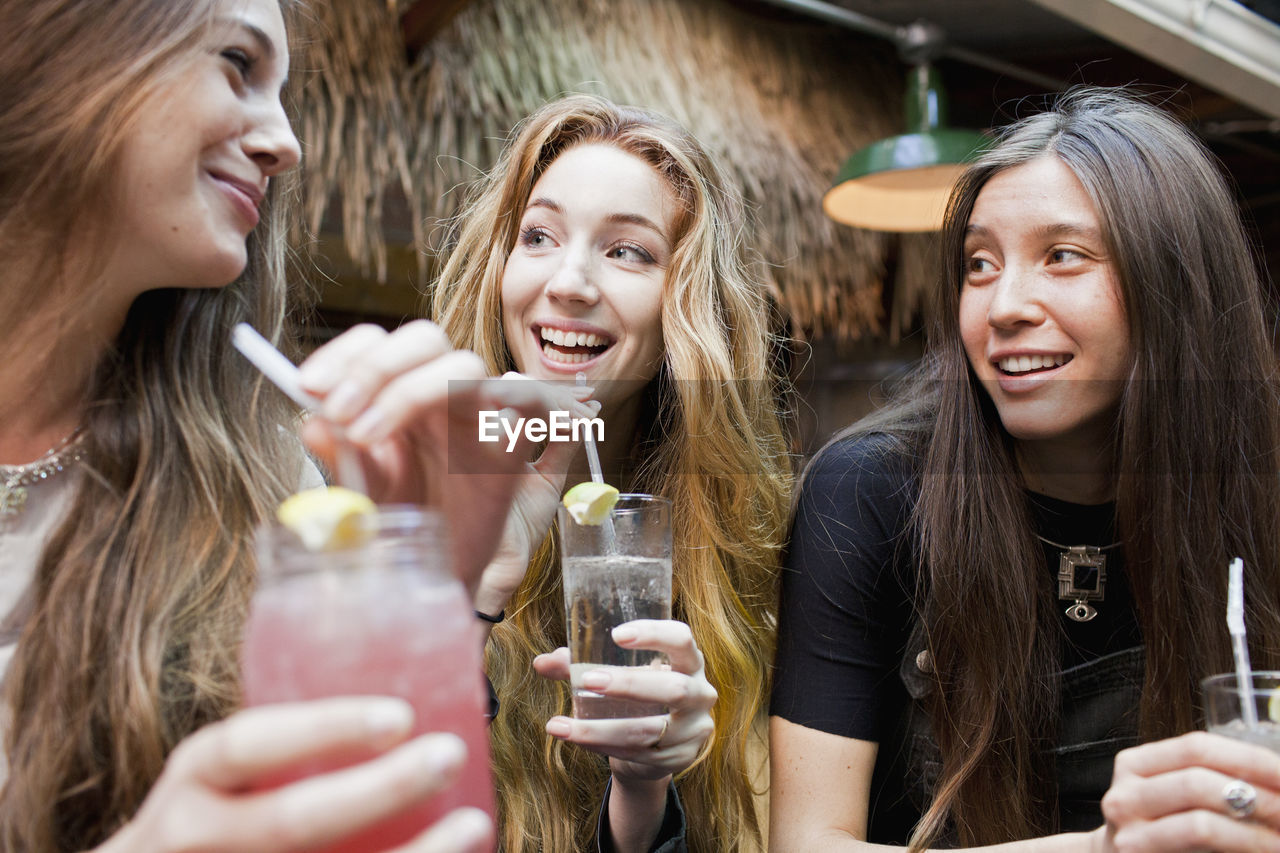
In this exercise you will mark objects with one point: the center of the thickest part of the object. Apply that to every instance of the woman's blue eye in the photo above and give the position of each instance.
(1060, 255)
(533, 237)
(627, 251)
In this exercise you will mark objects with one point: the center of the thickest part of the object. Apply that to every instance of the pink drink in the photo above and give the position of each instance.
(381, 619)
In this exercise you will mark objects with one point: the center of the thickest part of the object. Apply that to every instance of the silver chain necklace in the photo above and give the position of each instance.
(14, 479)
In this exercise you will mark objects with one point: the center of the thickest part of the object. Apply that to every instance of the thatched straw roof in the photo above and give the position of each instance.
(782, 104)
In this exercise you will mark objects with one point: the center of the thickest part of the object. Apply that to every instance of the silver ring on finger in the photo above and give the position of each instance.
(1240, 797)
(657, 742)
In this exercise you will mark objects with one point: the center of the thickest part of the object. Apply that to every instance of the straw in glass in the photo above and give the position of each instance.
(1239, 648)
(284, 374)
(597, 476)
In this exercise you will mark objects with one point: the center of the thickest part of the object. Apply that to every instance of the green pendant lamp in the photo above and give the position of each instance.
(902, 183)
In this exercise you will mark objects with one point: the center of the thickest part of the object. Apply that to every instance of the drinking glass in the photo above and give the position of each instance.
(383, 616)
(613, 573)
(1223, 714)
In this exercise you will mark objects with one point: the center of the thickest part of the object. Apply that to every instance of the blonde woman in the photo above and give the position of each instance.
(143, 145)
(606, 242)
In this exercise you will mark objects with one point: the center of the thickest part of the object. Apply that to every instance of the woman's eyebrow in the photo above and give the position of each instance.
(547, 203)
(622, 218)
(637, 219)
(1088, 233)
(265, 43)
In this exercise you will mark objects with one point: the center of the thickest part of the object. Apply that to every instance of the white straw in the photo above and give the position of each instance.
(593, 456)
(285, 375)
(597, 476)
(1235, 624)
(273, 364)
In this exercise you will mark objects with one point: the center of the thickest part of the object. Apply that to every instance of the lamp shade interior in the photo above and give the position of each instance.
(900, 200)
(902, 183)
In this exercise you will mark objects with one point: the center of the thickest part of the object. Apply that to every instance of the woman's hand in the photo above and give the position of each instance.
(532, 511)
(1172, 795)
(644, 748)
(204, 800)
(411, 404)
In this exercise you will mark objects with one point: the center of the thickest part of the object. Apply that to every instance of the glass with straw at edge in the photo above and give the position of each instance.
(348, 619)
(1244, 704)
(613, 572)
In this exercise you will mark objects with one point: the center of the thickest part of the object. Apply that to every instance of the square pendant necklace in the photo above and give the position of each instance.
(1082, 577)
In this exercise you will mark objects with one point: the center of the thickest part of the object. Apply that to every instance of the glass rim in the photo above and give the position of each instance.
(386, 518)
(642, 498)
(629, 502)
(1231, 680)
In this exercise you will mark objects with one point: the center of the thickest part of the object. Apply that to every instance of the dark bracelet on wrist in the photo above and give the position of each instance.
(493, 620)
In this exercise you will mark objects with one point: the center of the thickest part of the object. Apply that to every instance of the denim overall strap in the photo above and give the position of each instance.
(1098, 718)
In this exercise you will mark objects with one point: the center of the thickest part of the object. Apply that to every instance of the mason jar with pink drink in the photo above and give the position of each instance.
(378, 613)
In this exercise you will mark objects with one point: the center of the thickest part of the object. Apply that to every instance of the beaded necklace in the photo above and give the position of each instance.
(14, 479)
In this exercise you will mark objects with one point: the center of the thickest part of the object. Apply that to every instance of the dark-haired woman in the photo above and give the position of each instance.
(1003, 584)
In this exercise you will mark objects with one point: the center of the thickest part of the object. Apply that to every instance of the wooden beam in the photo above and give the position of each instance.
(345, 288)
(424, 18)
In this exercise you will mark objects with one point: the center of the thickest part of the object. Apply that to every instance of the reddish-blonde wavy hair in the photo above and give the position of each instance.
(713, 443)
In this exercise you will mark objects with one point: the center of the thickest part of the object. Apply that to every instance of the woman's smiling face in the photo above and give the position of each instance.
(582, 290)
(198, 161)
(1041, 313)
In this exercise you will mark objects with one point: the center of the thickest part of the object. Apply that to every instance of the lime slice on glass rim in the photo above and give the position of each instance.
(590, 503)
(327, 518)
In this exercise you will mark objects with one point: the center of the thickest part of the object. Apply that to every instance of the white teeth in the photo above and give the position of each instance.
(1025, 363)
(565, 357)
(561, 338)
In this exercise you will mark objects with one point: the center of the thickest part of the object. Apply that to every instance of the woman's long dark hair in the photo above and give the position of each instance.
(1195, 465)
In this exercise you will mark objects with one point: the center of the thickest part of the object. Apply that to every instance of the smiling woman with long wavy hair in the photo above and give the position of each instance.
(144, 150)
(683, 365)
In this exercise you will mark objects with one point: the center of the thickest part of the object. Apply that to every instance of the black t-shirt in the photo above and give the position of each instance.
(846, 612)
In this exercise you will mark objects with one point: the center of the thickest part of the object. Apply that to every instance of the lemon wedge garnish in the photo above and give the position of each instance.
(590, 503)
(1273, 707)
(327, 518)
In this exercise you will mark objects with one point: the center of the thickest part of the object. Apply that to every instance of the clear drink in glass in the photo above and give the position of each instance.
(614, 573)
(1224, 713)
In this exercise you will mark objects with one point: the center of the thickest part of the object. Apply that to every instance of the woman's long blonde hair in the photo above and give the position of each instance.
(711, 440)
(138, 599)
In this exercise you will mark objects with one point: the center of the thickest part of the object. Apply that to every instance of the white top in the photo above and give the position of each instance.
(22, 540)
(23, 537)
